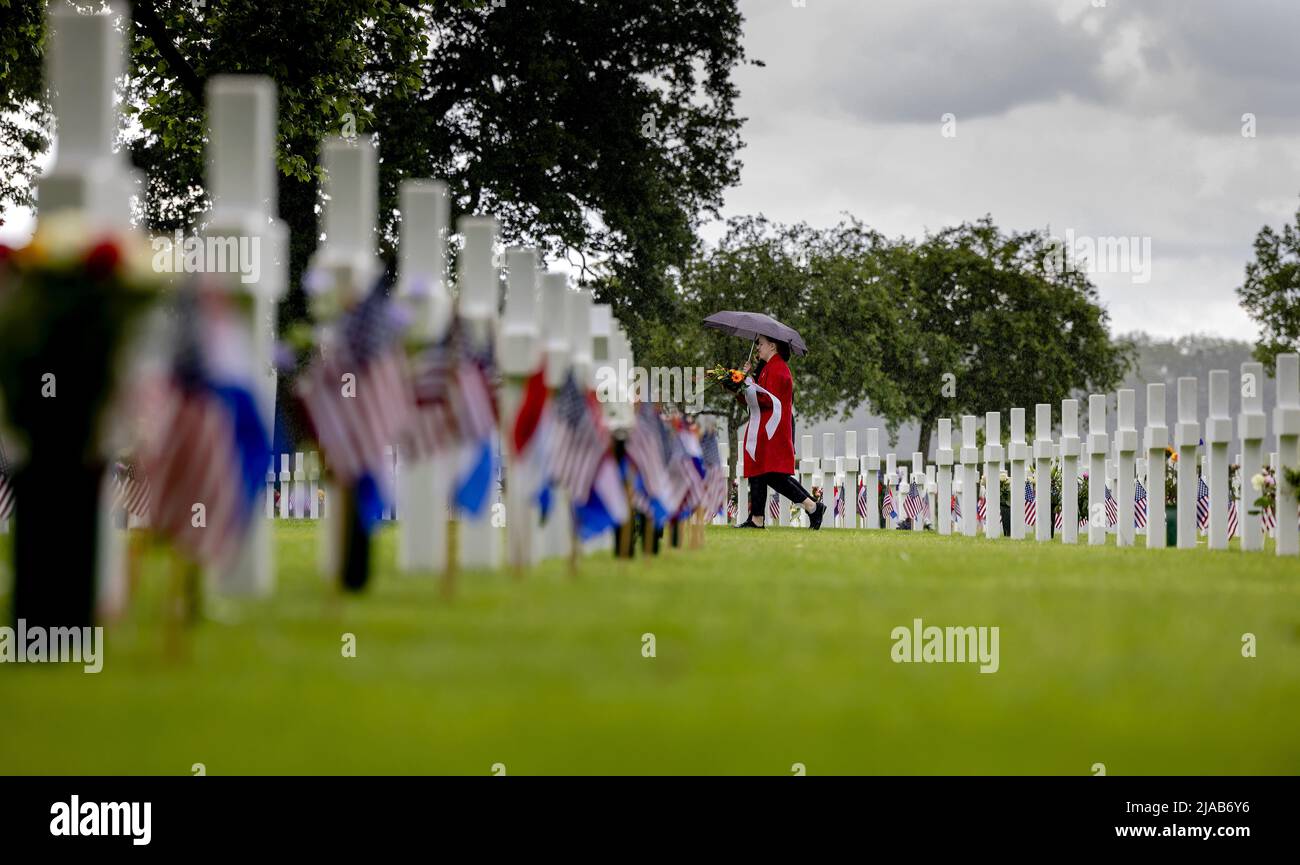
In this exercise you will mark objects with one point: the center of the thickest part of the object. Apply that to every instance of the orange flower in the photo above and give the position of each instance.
(737, 375)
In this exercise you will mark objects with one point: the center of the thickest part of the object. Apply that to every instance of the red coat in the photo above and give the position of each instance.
(773, 453)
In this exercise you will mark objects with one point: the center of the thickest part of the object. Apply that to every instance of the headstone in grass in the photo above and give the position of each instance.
(555, 352)
(242, 181)
(1251, 426)
(1043, 451)
(479, 298)
(1071, 449)
(943, 478)
(1155, 439)
(1018, 457)
(891, 484)
(1187, 437)
(742, 483)
(1126, 443)
(1097, 450)
(872, 472)
(1286, 423)
(993, 456)
(423, 485)
(970, 457)
(918, 478)
(830, 469)
(1218, 434)
(851, 466)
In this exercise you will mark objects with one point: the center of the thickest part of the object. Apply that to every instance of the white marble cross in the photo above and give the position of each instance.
(1218, 434)
(829, 470)
(1252, 426)
(1071, 449)
(891, 482)
(1155, 440)
(993, 456)
(1097, 451)
(851, 466)
(242, 181)
(520, 355)
(918, 478)
(557, 533)
(1286, 424)
(1043, 470)
(872, 470)
(424, 486)
(1187, 436)
(1018, 455)
(1126, 442)
(970, 477)
(943, 478)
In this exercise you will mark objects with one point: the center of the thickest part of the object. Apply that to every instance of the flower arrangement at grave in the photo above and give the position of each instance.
(1171, 477)
(1056, 491)
(1265, 486)
(1083, 493)
(69, 302)
(730, 379)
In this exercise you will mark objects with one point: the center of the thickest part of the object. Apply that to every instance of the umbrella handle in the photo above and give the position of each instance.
(751, 350)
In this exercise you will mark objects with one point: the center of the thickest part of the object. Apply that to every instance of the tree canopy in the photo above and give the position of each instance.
(1270, 293)
(598, 130)
(965, 320)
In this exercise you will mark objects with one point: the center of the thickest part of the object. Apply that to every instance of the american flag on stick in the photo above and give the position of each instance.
(912, 501)
(6, 488)
(1232, 518)
(645, 448)
(358, 394)
(1139, 505)
(1112, 509)
(1202, 504)
(862, 499)
(956, 508)
(1269, 520)
(1031, 505)
(131, 487)
(578, 443)
(887, 507)
(211, 447)
(981, 509)
(774, 506)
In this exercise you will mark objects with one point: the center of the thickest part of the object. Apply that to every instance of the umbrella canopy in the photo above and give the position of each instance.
(749, 325)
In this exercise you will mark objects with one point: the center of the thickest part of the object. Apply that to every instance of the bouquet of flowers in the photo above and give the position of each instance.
(1171, 477)
(1265, 485)
(731, 379)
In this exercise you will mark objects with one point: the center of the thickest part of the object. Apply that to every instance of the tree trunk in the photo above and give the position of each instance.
(923, 444)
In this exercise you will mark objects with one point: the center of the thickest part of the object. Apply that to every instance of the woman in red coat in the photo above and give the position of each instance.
(767, 457)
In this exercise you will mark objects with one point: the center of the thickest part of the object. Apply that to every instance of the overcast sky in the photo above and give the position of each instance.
(1124, 120)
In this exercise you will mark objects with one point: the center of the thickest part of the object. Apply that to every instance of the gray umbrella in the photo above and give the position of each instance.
(749, 325)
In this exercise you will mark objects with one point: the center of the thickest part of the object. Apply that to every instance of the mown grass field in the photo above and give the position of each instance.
(773, 648)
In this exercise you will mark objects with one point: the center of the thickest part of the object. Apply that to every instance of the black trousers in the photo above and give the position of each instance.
(786, 485)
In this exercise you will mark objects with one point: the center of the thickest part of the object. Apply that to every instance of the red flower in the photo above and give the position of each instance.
(103, 258)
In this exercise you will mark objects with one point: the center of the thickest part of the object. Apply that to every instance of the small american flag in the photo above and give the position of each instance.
(926, 513)
(888, 506)
(1140, 506)
(839, 501)
(578, 445)
(1232, 518)
(774, 506)
(1058, 520)
(862, 499)
(1269, 520)
(715, 475)
(645, 447)
(956, 508)
(354, 424)
(912, 501)
(1112, 509)
(6, 488)
(981, 510)
(1202, 504)
(132, 488)
(1031, 506)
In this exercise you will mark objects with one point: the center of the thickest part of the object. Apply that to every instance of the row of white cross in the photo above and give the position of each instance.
(545, 320)
(1114, 458)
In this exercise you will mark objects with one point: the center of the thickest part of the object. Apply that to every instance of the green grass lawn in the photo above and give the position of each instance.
(773, 648)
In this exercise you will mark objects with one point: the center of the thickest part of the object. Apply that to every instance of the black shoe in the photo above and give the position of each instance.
(749, 524)
(815, 518)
